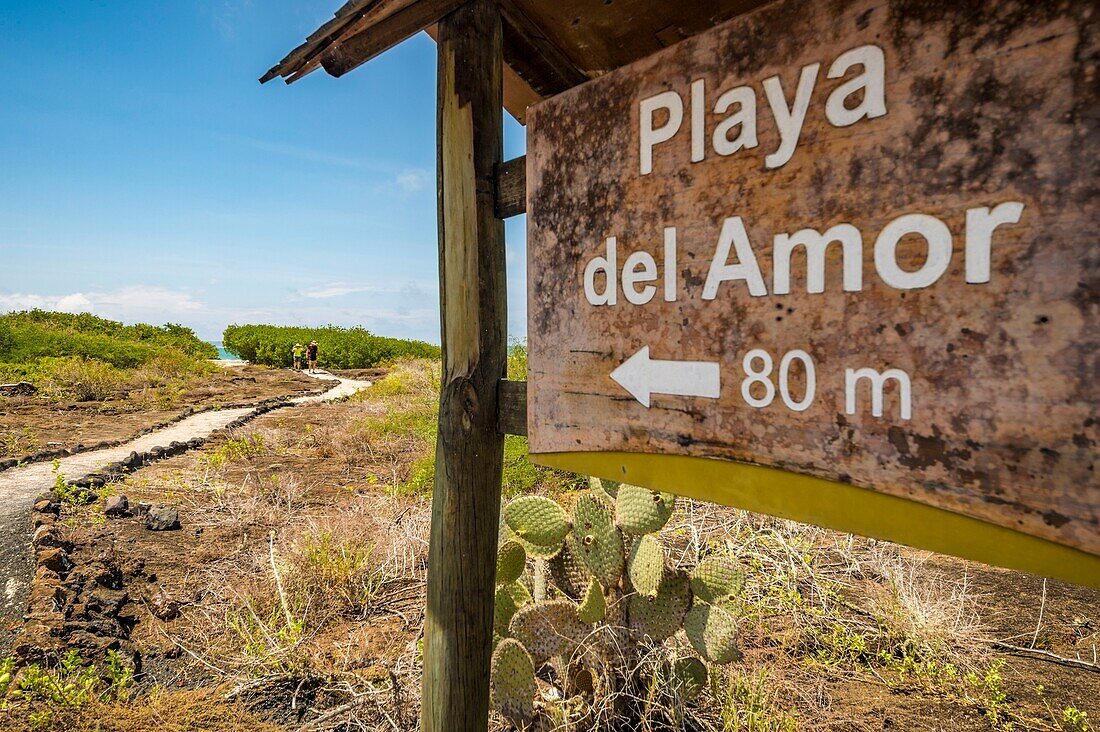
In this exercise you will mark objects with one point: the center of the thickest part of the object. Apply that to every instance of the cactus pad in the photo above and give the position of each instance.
(509, 598)
(511, 559)
(660, 616)
(513, 682)
(568, 573)
(603, 488)
(595, 539)
(713, 633)
(537, 551)
(717, 579)
(646, 565)
(537, 520)
(689, 677)
(549, 628)
(642, 511)
(593, 607)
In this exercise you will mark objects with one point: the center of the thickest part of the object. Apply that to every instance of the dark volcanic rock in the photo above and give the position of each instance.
(162, 518)
(117, 506)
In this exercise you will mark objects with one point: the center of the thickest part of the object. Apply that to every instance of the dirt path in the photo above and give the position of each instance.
(19, 486)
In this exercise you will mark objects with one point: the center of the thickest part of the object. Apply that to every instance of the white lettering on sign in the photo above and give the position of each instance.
(877, 380)
(735, 260)
(738, 130)
(727, 126)
(815, 244)
(746, 268)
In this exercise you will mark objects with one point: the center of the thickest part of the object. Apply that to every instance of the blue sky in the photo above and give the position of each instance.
(147, 176)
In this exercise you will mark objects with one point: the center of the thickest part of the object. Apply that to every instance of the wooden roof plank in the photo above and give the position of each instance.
(384, 34)
(532, 54)
(549, 45)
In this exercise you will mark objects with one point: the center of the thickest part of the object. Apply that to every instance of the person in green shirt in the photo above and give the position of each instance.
(298, 349)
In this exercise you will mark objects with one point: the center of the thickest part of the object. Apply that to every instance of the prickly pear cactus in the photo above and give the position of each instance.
(509, 598)
(712, 632)
(512, 678)
(602, 604)
(511, 560)
(568, 573)
(717, 580)
(537, 520)
(642, 511)
(688, 676)
(646, 565)
(596, 540)
(549, 628)
(593, 607)
(604, 489)
(660, 616)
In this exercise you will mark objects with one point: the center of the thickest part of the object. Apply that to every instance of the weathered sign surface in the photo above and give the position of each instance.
(854, 240)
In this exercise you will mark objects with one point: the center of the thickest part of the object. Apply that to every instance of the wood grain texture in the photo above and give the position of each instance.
(356, 50)
(988, 101)
(469, 450)
(511, 180)
(513, 407)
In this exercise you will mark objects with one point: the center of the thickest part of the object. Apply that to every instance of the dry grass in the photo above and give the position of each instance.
(198, 710)
(310, 608)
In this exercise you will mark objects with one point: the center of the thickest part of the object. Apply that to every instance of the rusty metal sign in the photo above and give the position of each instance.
(854, 240)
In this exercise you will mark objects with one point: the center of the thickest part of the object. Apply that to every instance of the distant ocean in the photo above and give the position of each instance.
(223, 354)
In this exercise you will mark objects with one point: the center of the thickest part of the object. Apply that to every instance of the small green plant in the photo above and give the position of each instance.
(65, 492)
(18, 441)
(73, 684)
(745, 703)
(235, 450)
(600, 601)
(991, 696)
(1076, 720)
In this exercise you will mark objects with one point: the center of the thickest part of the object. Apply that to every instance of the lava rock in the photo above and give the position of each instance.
(55, 559)
(47, 503)
(117, 506)
(162, 518)
(164, 606)
(47, 536)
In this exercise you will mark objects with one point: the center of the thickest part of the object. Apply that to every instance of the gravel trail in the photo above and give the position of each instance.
(19, 486)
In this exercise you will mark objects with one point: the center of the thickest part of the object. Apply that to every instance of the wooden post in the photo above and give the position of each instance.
(470, 450)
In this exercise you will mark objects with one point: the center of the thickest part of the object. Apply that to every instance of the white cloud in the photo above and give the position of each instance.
(412, 291)
(412, 179)
(74, 303)
(134, 303)
(334, 289)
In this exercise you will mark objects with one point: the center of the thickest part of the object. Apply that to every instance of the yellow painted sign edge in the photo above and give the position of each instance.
(835, 505)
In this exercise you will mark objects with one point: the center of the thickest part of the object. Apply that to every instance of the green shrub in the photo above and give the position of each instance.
(339, 348)
(30, 335)
(84, 357)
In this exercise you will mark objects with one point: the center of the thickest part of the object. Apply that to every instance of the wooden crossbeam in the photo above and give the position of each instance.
(385, 34)
(511, 188)
(512, 399)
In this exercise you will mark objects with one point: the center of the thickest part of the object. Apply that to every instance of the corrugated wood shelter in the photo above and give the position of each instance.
(491, 54)
(511, 54)
(548, 46)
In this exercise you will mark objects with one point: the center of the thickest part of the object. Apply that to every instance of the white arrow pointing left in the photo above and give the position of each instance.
(642, 376)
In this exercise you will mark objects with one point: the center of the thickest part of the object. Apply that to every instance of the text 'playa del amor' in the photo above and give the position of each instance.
(734, 271)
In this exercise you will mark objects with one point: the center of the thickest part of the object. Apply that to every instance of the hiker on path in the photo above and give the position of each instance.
(298, 348)
(311, 353)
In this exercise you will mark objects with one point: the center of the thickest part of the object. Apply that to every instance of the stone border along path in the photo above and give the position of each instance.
(20, 486)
